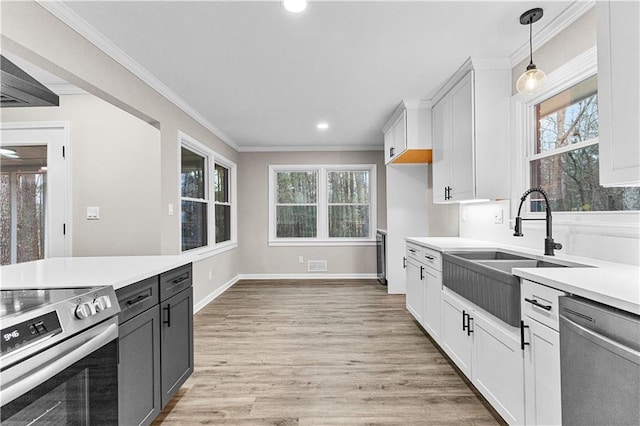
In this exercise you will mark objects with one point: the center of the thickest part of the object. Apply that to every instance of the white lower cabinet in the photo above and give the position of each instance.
(432, 302)
(542, 375)
(415, 290)
(541, 354)
(488, 352)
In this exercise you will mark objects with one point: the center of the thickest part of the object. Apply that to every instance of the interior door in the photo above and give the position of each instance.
(27, 186)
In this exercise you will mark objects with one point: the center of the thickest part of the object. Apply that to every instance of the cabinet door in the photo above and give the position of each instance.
(462, 136)
(176, 342)
(400, 134)
(415, 291)
(440, 135)
(498, 367)
(542, 375)
(432, 302)
(456, 341)
(388, 145)
(139, 369)
(619, 92)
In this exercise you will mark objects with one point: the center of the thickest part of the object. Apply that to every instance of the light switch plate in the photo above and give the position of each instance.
(497, 216)
(93, 213)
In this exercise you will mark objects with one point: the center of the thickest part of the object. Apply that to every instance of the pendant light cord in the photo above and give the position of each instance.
(530, 41)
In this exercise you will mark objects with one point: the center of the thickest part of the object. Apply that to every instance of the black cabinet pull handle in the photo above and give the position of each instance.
(421, 272)
(392, 151)
(430, 257)
(538, 304)
(168, 321)
(464, 315)
(522, 342)
(180, 279)
(469, 330)
(412, 250)
(138, 299)
(404, 262)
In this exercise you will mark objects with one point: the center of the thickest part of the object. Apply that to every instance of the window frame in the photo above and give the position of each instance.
(211, 159)
(523, 130)
(322, 238)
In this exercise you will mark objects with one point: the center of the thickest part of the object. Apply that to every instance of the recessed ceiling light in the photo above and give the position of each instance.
(322, 126)
(295, 6)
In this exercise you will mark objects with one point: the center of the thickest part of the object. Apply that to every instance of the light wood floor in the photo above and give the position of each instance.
(318, 353)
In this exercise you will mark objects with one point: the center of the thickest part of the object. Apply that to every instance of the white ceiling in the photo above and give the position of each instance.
(264, 77)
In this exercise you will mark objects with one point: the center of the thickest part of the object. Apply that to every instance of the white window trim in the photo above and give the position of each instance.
(211, 158)
(323, 239)
(606, 223)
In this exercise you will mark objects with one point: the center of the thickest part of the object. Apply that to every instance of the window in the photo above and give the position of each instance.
(207, 194)
(322, 204)
(564, 160)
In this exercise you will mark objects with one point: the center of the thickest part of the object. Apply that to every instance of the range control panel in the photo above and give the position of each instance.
(27, 332)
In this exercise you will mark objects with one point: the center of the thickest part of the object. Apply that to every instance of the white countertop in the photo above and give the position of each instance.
(59, 272)
(614, 284)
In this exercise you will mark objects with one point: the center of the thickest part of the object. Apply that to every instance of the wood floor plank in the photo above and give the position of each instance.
(318, 352)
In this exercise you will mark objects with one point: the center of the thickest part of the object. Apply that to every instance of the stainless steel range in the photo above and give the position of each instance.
(59, 356)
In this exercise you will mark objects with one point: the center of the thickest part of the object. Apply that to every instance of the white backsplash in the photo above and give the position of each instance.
(610, 237)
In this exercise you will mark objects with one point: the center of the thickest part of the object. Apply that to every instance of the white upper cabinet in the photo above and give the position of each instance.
(407, 134)
(470, 125)
(619, 92)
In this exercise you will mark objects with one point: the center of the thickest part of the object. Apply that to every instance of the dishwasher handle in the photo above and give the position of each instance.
(601, 340)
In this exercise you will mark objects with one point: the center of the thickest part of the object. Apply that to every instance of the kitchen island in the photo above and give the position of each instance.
(60, 272)
(155, 324)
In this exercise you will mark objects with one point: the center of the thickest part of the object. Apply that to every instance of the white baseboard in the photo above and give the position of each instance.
(310, 276)
(204, 302)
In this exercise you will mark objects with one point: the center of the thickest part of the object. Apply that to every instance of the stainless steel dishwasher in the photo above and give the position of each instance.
(599, 364)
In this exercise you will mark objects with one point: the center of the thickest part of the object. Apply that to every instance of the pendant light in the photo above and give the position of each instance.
(533, 78)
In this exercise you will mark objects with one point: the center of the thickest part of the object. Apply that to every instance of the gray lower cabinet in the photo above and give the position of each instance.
(176, 342)
(139, 372)
(155, 343)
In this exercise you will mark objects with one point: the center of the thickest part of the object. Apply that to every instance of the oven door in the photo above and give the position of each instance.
(74, 382)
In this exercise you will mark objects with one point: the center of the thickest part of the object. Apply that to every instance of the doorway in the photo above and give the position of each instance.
(34, 192)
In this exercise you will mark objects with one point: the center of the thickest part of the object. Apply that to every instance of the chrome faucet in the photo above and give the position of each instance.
(549, 245)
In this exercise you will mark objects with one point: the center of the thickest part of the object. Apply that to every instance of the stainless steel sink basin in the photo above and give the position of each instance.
(489, 255)
(508, 265)
(486, 279)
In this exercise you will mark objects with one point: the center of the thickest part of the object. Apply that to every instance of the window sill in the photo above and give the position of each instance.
(321, 243)
(207, 252)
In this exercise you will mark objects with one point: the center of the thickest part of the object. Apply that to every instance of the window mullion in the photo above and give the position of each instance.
(322, 208)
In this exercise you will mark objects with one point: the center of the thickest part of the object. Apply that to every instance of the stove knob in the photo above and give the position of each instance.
(101, 303)
(85, 310)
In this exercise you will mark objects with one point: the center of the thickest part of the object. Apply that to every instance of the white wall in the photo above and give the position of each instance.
(29, 31)
(115, 165)
(260, 259)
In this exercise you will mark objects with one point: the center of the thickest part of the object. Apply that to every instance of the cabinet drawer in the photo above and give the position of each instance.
(414, 251)
(174, 281)
(137, 298)
(540, 303)
(432, 258)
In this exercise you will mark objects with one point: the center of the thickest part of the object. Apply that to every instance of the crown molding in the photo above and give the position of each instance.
(82, 27)
(324, 148)
(568, 16)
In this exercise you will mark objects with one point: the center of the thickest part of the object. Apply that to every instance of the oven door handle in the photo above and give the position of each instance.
(56, 359)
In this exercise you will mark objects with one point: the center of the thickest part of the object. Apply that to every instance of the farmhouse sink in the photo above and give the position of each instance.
(486, 279)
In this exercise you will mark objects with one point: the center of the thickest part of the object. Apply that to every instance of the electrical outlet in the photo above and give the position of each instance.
(300, 259)
(497, 216)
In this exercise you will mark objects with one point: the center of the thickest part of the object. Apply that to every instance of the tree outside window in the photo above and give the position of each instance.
(566, 159)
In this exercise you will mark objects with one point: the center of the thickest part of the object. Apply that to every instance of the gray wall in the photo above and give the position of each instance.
(253, 215)
(115, 165)
(29, 31)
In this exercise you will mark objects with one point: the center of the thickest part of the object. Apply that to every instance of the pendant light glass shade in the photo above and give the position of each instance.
(531, 80)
